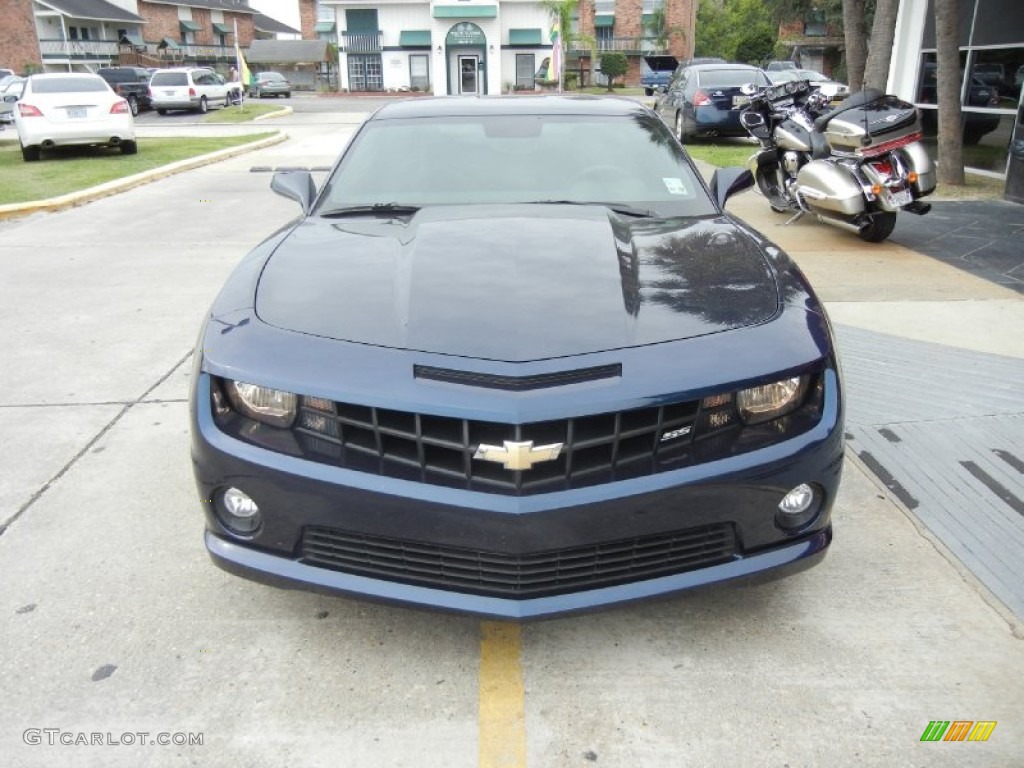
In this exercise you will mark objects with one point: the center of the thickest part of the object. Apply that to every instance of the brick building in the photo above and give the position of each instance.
(468, 47)
(82, 35)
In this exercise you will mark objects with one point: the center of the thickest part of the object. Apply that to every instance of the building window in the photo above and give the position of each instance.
(604, 7)
(525, 67)
(650, 6)
(72, 33)
(419, 70)
(814, 24)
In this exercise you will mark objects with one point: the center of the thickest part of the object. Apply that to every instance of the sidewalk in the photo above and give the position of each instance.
(929, 325)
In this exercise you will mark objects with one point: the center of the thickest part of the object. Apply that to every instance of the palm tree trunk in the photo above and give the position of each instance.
(883, 31)
(855, 33)
(947, 43)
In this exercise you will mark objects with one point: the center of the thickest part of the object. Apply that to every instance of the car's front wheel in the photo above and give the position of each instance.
(204, 107)
(133, 105)
(30, 154)
(129, 148)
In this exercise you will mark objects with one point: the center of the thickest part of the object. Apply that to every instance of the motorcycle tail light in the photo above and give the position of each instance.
(701, 99)
(883, 168)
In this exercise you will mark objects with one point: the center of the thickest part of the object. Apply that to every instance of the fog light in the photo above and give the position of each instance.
(798, 507)
(240, 512)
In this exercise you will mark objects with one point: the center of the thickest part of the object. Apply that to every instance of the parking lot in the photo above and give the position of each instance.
(116, 623)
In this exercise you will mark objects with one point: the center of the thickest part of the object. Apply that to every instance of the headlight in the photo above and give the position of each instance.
(270, 406)
(769, 401)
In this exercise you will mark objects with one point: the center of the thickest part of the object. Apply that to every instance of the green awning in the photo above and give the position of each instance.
(525, 37)
(414, 38)
(132, 39)
(324, 26)
(188, 26)
(221, 29)
(604, 20)
(465, 11)
(169, 42)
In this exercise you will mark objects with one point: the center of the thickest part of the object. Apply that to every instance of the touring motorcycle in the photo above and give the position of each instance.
(854, 166)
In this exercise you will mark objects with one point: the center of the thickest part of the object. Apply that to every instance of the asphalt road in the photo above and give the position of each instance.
(115, 623)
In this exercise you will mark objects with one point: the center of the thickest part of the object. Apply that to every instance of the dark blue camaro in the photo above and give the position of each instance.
(515, 360)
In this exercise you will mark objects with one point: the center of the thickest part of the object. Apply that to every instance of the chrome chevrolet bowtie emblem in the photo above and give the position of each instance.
(518, 455)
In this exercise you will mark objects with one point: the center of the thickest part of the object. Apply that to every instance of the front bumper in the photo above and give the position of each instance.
(295, 495)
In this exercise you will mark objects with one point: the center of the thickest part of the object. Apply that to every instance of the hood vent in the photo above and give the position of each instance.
(517, 383)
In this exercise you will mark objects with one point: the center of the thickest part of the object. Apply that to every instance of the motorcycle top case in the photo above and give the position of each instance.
(883, 120)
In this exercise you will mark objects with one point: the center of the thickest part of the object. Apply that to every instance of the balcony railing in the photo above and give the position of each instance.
(109, 49)
(631, 46)
(360, 43)
(78, 49)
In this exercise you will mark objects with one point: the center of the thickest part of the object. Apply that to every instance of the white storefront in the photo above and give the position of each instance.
(456, 47)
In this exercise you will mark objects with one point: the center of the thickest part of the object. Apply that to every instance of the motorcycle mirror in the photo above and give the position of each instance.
(726, 182)
(748, 89)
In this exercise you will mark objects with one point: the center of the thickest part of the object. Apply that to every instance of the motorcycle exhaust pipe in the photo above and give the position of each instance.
(849, 226)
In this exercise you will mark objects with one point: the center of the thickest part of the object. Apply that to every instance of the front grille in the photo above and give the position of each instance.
(537, 574)
(440, 450)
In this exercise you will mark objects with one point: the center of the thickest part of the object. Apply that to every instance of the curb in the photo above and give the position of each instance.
(72, 199)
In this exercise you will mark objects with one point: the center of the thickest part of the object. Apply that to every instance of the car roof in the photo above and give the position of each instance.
(461, 106)
(55, 75)
(709, 67)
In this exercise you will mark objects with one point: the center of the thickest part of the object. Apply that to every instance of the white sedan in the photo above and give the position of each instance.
(835, 91)
(72, 108)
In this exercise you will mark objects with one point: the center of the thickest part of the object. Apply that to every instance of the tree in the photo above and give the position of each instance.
(947, 42)
(564, 12)
(855, 35)
(657, 25)
(613, 64)
(755, 46)
(723, 26)
(883, 32)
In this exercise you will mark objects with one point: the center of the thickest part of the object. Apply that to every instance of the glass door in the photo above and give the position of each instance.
(468, 66)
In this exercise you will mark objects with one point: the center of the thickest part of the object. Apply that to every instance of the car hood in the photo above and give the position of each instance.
(515, 283)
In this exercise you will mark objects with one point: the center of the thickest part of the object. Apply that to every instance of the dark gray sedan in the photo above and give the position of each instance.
(704, 100)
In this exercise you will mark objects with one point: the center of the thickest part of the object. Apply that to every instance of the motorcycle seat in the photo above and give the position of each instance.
(859, 99)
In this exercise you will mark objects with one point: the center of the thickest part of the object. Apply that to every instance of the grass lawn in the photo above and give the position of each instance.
(70, 170)
(722, 155)
(250, 109)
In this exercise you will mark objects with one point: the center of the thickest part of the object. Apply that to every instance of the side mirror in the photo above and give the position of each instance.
(727, 182)
(295, 185)
(10, 98)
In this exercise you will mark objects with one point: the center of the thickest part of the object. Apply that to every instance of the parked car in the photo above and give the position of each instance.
(513, 359)
(835, 91)
(777, 66)
(9, 95)
(705, 100)
(190, 88)
(657, 72)
(130, 82)
(991, 74)
(72, 109)
(270, 84)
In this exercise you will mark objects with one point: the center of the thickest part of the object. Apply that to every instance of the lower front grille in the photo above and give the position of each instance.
(538, 574)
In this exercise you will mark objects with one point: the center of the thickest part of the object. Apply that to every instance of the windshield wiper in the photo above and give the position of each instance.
(625, 210)
(362, 210)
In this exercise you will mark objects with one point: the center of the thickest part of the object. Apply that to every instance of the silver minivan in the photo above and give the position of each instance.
(195, 89)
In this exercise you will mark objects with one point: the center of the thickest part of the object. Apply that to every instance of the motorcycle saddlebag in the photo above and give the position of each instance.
(883, 120)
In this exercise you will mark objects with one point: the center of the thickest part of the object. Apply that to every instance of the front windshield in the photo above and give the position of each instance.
(523, 158)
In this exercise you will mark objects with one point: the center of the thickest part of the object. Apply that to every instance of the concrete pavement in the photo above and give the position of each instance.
(114, 621)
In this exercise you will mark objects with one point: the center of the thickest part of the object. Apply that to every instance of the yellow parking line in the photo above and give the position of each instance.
(502, 722)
